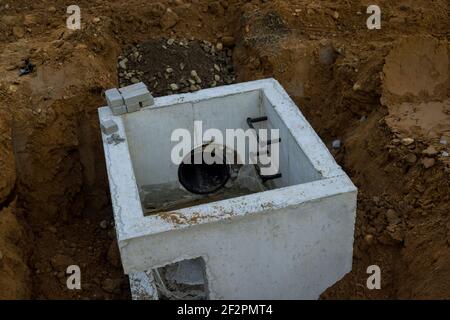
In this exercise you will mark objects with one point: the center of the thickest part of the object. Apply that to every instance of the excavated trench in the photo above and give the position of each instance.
(345, 91)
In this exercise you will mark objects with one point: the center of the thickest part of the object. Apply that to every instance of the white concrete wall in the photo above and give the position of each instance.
(292, 252)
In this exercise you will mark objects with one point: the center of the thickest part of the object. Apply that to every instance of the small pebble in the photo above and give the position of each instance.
(123, 63)
(104, 224)
(407, 141)
(428, 162)
(336, 144)
(444, 154)
(369, 238)
(174, 87)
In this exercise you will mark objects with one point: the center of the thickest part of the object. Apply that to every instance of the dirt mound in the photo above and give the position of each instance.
(171, 66)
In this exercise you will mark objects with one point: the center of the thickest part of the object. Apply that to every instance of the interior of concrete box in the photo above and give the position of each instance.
(158, 178)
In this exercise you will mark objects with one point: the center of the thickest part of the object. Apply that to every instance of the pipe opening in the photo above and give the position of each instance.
(200, 177)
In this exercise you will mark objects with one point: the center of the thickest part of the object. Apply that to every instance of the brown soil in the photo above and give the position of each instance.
(384, 93)
(160, 63)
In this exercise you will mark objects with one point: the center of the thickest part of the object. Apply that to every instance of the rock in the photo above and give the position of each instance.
(216, 67)
(169, 19)
(112, 285)
(219, 46)
(357, 86)
(392, 217)
(104, 224)
(123, 63)
(194, 73)
(228, 41)
(197, 79)
(444, 154)
(174, 87)
(411, 158)
(134, 80)
(113, 255)
(18, 32)
(407, 141)
(336, 144)
(217, 77)
(428, 162)
(169, 70)
(96, 20)
(182, 66)
(327, 56)
(369, 239)
(51, 9)
(430, 151)
(170, 41)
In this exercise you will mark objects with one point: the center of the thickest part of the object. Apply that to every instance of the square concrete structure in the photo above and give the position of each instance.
(292, 241)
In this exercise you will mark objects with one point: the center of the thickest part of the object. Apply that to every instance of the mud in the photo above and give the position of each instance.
(383, 93)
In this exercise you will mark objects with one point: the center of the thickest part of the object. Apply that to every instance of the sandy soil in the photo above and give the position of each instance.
(384, 93)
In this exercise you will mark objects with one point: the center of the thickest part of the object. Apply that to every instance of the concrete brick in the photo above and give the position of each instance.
(109, 127)
(133, 87)
(119, 110)
(136, 96)
(147, 103)
(133, 107)
(114, 98)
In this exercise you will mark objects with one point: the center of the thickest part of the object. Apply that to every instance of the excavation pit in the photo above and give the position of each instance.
(283, 235)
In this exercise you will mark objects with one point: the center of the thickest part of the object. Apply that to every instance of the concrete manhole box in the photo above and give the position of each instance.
(287, 237)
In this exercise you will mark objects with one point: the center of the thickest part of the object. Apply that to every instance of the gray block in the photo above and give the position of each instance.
(148, 102)
(133, 87)
(133, 108)
(135, 97)
(109, 127)
(114, 98)
(117, 111)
